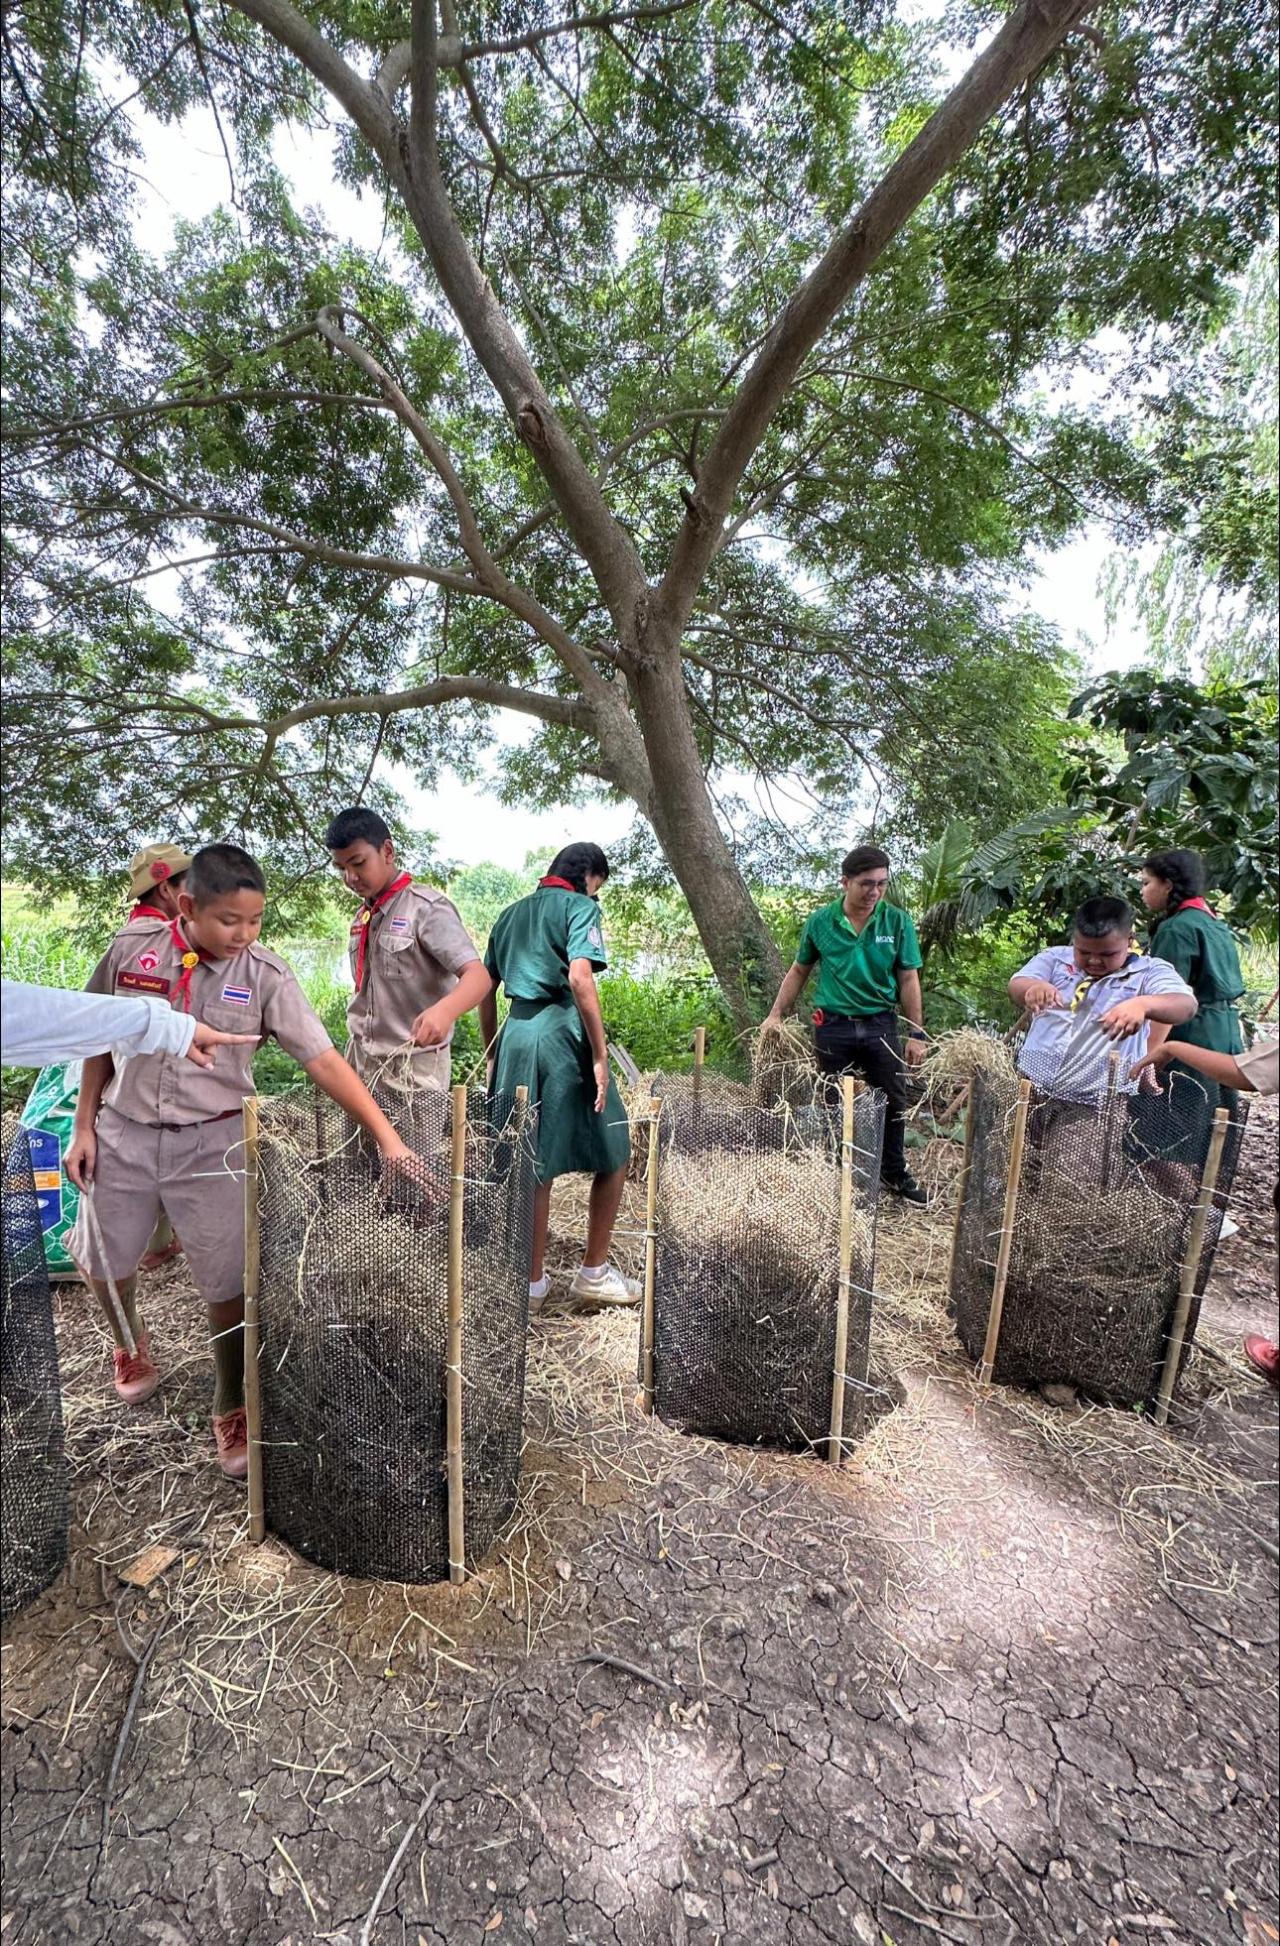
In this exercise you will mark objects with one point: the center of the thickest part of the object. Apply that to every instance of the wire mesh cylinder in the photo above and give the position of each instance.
(1105, 1200)
(33, 1470)
(353, 1309)
(748, 1266)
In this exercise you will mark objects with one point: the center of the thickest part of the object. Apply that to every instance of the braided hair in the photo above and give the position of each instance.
(1183, 872)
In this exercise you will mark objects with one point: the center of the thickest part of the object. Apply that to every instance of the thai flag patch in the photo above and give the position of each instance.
(238, 996)
(399, 925)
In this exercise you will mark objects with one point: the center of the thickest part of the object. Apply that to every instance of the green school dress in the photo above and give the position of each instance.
(1200, 947)
(543, 1045)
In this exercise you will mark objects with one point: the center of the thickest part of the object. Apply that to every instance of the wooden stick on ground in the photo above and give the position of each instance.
(252, 1321)
(453, 1367)
(114, 1305)
(1268, 1009)
(1191, 1265)
(835, 1442)
(996, 1313)
(699, 1060)
(647, 1315)
(966, 1165)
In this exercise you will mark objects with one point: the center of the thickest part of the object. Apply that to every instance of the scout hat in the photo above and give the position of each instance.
(152, 865)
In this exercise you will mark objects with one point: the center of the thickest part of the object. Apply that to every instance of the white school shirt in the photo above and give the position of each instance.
(39, 1024)
(1064, 1052)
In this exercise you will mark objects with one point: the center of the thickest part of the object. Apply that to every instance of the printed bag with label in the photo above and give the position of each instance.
(49, 1118)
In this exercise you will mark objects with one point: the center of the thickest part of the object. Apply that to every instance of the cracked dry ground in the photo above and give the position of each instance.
(1010, 1676)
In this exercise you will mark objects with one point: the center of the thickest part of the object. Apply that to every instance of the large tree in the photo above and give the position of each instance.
(617, 432)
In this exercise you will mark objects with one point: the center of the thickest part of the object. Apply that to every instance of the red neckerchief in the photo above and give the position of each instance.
(1195, 905)
(366, 913)
(144, 911)
(561, 884)
(192, 956)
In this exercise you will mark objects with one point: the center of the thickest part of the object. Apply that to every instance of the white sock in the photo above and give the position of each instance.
(538, 1287)
(593, 1271)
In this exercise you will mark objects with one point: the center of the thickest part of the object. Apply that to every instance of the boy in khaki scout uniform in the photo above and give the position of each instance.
(413, 966)
(158, 1131)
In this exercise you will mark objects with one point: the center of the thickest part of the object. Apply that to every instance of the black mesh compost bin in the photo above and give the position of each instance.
(1103, 1218)
(353, 1304)
(748, 1266)
(33, 1470)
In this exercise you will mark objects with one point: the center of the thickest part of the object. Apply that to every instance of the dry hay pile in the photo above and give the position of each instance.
(354, 1354)
(747, 1281)
(784, 1066)
(954, 1060)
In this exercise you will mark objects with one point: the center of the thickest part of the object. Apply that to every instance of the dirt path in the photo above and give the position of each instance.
(1009, 1677)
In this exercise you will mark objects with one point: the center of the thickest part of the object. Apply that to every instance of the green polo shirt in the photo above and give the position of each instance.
(857, 972)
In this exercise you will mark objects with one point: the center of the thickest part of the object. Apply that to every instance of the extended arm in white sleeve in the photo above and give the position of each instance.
(39, 1024)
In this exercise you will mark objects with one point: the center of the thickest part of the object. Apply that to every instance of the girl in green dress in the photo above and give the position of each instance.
(1199, 946)
(546, 950)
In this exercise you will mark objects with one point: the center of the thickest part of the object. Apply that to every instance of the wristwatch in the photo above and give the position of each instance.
(917, 1034)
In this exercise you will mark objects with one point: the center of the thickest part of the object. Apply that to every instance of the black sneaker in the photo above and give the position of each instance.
(908, 1188)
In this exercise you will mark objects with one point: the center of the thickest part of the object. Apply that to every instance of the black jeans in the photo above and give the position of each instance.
(872, 1048)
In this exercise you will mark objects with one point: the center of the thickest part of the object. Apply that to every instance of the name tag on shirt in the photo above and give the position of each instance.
(238, 996)
(143, 982)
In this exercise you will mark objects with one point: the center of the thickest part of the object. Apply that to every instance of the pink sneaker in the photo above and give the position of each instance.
(1264, 1357)
(136, 1377)
(231, 1437)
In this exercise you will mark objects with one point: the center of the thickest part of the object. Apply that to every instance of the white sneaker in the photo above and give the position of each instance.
(609, 1290)
(538, 1295)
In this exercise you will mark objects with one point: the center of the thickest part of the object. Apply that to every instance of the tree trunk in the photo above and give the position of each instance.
(738, 944)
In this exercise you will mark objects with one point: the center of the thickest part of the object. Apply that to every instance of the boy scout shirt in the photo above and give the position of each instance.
(857, 971)
(253, 992)
(1064, 1051)
(416, 949)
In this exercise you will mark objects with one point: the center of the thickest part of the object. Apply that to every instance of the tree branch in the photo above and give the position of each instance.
(1025, 41)
(491, 577)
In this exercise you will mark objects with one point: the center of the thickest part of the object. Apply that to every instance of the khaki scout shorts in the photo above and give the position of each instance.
(195, 1174)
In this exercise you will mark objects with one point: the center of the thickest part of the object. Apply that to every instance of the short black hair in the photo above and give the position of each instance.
(865, 858)
(1098, 917)
(353, 826)
(1183, 871)
(219, 869)
(575, 861)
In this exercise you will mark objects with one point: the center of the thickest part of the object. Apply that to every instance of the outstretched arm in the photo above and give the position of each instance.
(1222, 1068)
(794, 981)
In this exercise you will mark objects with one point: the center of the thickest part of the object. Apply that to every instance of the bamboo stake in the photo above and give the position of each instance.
(987, 1365)
(966, 1166)
(1191, 1265)
(1109, 1118)
(647, 1316)
(1267, 1010)
(252, 1340)
(114, 1304)
(699, 1060)
(849, 1088)
(453, 1368)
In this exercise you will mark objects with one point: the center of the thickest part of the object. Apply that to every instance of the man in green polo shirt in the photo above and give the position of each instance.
(868, 961)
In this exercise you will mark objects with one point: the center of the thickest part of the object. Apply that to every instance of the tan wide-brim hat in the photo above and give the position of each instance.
(153, 865)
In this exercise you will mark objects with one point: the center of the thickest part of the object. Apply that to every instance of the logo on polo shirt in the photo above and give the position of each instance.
(148, 961)
(238, 996)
